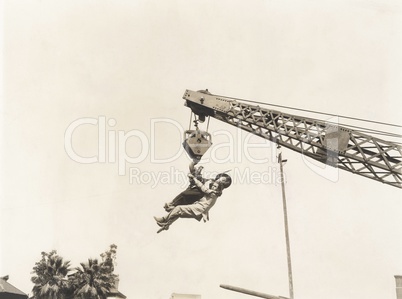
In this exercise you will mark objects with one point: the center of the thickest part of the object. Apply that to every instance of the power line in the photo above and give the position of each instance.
(312, 111)
(367, 130)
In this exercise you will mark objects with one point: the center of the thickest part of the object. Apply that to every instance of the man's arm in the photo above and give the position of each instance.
(191, 166)
(199, 184)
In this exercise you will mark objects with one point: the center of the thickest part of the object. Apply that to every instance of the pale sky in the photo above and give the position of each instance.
(124, 66)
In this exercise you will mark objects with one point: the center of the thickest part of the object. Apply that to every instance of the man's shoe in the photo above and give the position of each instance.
(165, 227)
(161, 224)
(159, 219)
(168, 207)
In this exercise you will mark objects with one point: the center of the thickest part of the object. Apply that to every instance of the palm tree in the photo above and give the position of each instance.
(50, 281)
(92, 280)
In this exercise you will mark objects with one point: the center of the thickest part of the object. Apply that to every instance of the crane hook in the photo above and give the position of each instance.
(196, 142)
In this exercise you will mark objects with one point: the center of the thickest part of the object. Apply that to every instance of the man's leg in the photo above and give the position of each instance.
(178, 212)
(187, 197)
(175, 202)
(166, 221)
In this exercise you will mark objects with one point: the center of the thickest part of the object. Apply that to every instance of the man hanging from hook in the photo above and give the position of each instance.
(201, 194)
(196, 200)
(193, 193)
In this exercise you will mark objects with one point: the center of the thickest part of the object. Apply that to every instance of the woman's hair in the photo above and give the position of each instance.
(225, 180)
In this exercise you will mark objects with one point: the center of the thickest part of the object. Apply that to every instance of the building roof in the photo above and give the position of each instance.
(114, 292)
(5, 287)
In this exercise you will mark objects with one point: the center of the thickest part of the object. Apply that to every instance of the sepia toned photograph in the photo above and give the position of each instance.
(201, 149)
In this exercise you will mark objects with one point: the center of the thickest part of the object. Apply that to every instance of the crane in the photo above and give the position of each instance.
(326, 142)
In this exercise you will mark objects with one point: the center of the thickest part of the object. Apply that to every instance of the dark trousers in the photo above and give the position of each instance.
(187, 197)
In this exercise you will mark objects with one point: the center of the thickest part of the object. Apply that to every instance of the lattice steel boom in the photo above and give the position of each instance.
(328, 143)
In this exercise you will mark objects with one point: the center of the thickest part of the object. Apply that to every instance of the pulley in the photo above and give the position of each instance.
(196, 143)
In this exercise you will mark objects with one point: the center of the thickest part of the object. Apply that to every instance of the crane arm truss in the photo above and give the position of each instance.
(323, 141)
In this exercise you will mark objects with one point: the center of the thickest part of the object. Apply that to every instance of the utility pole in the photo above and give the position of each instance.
(285, 215)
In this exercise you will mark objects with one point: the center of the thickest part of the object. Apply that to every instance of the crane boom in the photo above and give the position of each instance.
(323, 141)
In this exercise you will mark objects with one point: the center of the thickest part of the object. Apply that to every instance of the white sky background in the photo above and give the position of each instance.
(132, 61)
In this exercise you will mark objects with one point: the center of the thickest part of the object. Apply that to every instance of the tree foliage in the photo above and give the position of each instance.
(50, 277)
(92, 280)
(95, 279)
(109, 258)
